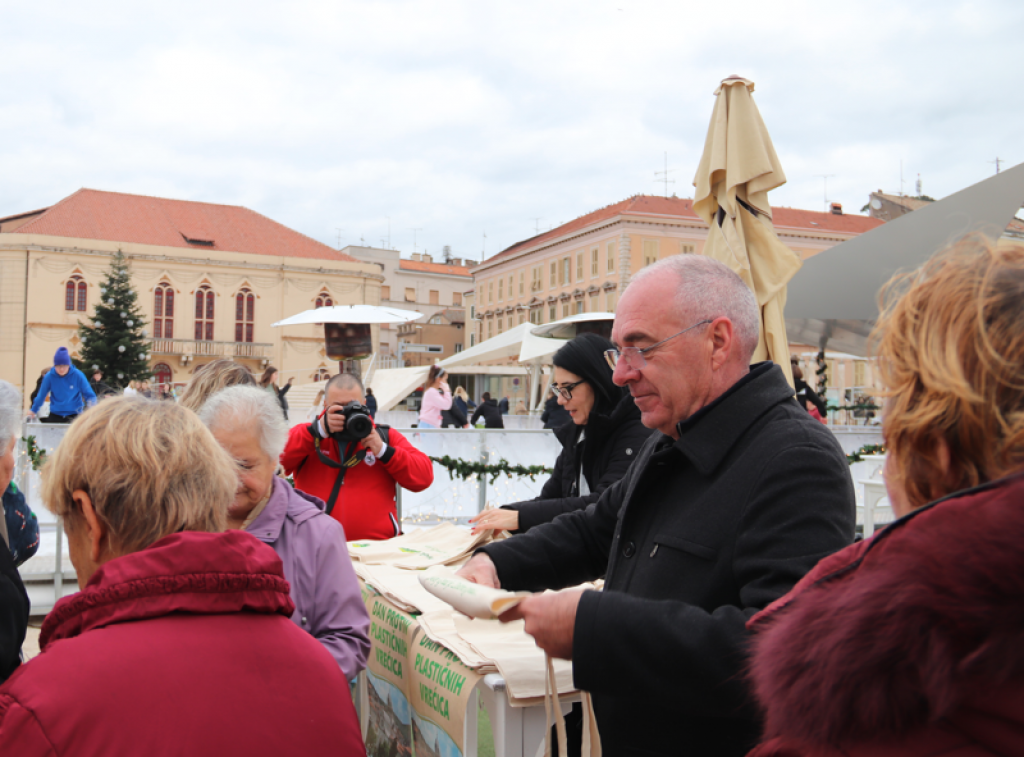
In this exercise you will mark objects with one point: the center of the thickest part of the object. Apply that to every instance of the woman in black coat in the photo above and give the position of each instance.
(597, 447)
(488, 410)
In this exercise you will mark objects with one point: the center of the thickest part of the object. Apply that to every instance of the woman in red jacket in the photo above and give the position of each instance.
(180, 641)
(910, 643)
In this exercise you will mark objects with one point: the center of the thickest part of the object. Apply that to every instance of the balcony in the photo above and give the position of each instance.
(201, 348)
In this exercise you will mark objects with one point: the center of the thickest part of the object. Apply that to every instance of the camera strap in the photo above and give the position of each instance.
(343, 467)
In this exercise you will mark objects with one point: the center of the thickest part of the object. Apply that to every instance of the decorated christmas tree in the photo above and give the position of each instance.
(116, 342)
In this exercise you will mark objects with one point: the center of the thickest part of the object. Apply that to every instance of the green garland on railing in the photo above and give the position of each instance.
(36, 455)
(458, 468)
(865, 406)
(867, 449)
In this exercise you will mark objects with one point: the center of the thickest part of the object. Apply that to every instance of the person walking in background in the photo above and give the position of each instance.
(598, 447)
(461, 400)
(68, 389)
(488, 410)
(14, 602)
(436, 397)
(503, 405)
(807, 396)
(268, 382)
(371, 402)
(909, 643)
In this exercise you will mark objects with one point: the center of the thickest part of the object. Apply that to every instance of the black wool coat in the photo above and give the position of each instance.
(700, 534)
(609, 446)
(491, 415)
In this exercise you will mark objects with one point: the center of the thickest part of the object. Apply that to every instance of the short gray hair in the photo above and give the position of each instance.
(709, 289)
(247, 404)
(10, 413)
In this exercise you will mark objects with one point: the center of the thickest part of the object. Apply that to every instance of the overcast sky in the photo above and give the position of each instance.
(465, 118)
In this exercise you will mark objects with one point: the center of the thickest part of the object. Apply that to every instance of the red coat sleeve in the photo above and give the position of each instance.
(298, 448)
(410, 467)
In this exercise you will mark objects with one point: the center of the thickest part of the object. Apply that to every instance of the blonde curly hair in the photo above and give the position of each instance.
(950, 348)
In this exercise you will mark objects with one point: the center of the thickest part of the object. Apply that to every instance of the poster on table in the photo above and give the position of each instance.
(440, 690)
(388, 677)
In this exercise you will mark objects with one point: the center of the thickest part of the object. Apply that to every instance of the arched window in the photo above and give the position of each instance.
(162, 374)
(163, 311)
(204, 314)
(323, 300)
(74, 294)
(322, 375)
(245, 304)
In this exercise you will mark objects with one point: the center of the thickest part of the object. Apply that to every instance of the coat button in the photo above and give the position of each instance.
(303, 620)
(629, 549)
(629, 450)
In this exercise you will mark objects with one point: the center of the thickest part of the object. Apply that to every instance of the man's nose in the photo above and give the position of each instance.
(623, 373)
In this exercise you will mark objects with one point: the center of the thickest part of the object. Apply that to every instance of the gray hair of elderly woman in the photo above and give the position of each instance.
(10, 413)
(244, 406)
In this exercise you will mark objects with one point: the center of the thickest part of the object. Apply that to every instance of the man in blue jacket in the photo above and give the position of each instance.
(68, 389)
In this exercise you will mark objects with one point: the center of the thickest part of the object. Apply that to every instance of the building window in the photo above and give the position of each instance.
(501, 289)
(162, 374)
(609, 301)
(522, 318)
(554, 274)
(385, 293)
(650, 251)
(75, 294)
(472, 340)
(410, 294)
(566, 271)
(860, 373)
(579, 306)
(535, 275)
(522, 283)
(245, 305)
(535, 316)
(551, 314)
(490, 291)
(511, 285)
(490, 327)
(323, 300)
(435, 297)
(611, 257)
(163, 310)
(579, 266)
(501, 325)
(456, 298)
(686, 249)
(565, 310)
(594, 263)
(204, 314)
(322, 374)
(472, 312)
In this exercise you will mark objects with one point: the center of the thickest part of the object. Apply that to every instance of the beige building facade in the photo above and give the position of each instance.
(210, 279)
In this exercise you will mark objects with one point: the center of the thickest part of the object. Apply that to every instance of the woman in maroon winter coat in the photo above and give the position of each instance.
(910, 643)
(180, 641)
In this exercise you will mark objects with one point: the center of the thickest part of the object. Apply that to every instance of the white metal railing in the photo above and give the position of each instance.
(205, 348)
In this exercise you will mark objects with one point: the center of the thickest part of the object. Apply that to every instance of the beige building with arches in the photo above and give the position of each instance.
(211, 279)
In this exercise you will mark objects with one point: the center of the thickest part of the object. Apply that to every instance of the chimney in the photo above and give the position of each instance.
(417, 256)
(837, 208)
(427, 258)
(456, 261)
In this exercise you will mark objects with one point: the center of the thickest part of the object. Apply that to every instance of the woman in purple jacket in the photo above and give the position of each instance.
(328, 604)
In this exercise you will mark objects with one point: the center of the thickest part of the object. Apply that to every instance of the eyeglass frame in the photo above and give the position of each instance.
(613, 356)
(567, 389)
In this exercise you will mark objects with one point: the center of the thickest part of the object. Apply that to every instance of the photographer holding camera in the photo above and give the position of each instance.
(343, 458)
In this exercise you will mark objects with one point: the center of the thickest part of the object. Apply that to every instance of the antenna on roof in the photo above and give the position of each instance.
(339, 236)
(918, 185)
(826, 177)
(484, 250)
(664, 175)
(997, 161)
(414, 238)
(447, 251)
(536, 224)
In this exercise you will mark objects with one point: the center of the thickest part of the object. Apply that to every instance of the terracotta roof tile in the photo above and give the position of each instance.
(417, 265)
(139, 219)
(677, 207)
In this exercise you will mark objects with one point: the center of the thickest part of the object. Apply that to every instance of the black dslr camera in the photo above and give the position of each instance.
(358, 423)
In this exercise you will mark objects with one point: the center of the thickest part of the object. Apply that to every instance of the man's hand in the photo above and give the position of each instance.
(374, 443)
(31, 415)
(550, 620)
(480, 570)
(495, 519)
(334, 419)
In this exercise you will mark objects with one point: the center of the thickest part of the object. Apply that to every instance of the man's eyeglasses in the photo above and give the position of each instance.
(635, 358)
(566, 390)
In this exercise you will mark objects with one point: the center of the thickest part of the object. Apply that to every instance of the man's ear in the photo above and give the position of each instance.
(95, 529)
(721, 336)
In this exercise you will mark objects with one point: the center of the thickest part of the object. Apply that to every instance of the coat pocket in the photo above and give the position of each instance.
(685, 545)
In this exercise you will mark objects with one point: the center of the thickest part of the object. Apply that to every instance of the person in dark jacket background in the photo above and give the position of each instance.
(371, 402)
(101, 389)
(554, 415)
(488, 410)
(597, 447)
(14, 604)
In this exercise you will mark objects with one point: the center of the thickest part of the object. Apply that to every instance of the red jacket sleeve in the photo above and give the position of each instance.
(298, 448)
(410, 467)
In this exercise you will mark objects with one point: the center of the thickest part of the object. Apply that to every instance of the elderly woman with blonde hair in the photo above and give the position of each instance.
(909, 643)
(247, 423)
(179, 641)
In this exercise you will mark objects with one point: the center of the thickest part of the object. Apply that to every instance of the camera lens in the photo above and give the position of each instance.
(358, 425)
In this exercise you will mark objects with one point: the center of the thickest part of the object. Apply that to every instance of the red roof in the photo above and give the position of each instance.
(683, 208)
(417, 265)
(138, 219)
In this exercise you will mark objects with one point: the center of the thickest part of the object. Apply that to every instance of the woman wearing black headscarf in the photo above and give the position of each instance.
(597, 447)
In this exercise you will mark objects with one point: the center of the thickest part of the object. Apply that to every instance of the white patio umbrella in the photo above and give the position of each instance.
(351, 314)
(568, 328)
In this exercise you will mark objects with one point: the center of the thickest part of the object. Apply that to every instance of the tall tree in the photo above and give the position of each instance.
(115, 343)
